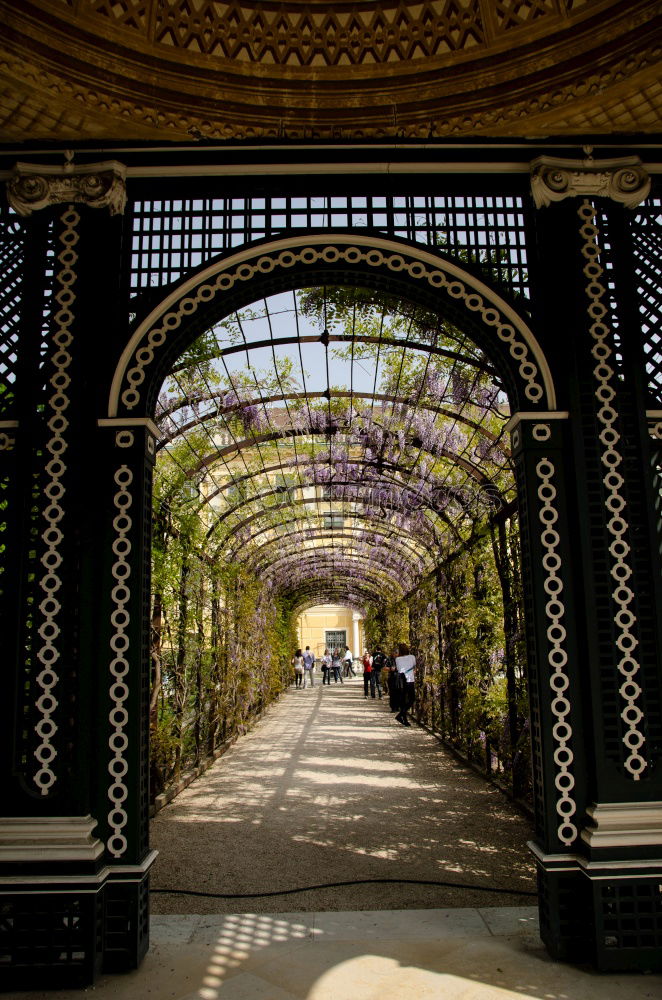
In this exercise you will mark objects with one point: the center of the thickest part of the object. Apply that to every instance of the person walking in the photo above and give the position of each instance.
(392, 684)
(378, 664)
(368, 679)
(347, 660)
(326, 667)
(405, 663)
(336, 667)
(297, 663)
(308, 666)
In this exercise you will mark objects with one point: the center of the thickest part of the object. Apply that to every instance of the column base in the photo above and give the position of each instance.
(606, 913)
(60, 933)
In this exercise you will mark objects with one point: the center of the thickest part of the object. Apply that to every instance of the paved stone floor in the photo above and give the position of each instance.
(492, 953)
(326, 788)
(329, 788)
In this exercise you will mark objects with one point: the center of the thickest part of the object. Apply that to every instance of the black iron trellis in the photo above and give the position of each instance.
(240, 485)
(174, 236)
(646, 234)
(12, 250)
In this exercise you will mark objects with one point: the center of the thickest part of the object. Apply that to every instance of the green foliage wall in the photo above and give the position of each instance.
(221, 643)
(464, 625)
(467, 635)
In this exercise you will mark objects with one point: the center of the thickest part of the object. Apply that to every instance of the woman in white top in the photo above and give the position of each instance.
(404, 664)
(326, 667)
(297, 663)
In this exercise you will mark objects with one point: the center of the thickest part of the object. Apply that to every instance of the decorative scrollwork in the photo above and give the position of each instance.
(623, 180)
(98, 185)
(52, 536)
(119, 665)
(557, 656)
(617, 523)
(220, 281)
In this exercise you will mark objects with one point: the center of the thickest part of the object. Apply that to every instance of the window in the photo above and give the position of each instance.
(336, 639)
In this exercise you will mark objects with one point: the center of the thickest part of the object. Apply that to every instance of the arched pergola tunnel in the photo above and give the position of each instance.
(349, 492)
(431, 447)
(386, 418)
(362, 452)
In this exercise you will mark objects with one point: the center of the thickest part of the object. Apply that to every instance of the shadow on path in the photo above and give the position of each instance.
(328, 787)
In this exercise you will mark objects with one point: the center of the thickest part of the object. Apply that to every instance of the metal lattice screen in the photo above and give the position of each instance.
(171, 237)
(11, 263)
(646, 231)
(339, 444)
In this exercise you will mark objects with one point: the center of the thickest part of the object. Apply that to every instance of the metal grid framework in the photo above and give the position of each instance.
(363, 448)
(11, 264)
(170, 237)
(646, 229)
(13, 239)
(345, 465)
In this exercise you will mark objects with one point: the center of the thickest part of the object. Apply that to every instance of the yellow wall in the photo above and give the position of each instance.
(312, 624)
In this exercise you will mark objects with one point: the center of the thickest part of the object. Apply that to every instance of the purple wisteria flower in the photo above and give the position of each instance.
(253, 418)
(436, 385)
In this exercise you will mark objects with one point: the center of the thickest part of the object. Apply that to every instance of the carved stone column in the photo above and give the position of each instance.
(356, 639)
(582, 274)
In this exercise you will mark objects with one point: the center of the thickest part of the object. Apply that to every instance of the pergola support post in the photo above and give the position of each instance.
(600, 895)
(71, 903)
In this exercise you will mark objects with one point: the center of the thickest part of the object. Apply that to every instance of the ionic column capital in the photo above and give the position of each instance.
(100, 185)
(624, 180)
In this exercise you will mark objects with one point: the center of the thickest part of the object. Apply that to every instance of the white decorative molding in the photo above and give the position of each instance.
(557, 657)
(119, 666)
(624, 824)
(654, 418)
(7, 439)
(498, 317)
(123, 873)
(611, 458)
(541, 432)
(120, 422)
(525, 415)
(49, 838)
(99, 185)
(54, 490)
(646, 868)
(624, 180)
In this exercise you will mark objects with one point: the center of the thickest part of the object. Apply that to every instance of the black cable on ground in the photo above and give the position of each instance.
(335, 885)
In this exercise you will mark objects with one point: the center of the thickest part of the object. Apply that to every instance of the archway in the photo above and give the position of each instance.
(506, 339)
(594, 731)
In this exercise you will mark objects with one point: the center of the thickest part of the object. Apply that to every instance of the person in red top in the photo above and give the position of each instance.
(368, 676)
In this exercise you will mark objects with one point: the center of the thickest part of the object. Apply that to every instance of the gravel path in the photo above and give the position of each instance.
(328, 787)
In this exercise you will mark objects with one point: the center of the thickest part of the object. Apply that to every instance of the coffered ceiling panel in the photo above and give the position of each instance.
(167, 69)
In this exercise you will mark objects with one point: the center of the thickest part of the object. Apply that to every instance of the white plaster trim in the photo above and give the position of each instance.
(131, 422)
(624, 824)
(8, 424)
(116, 873)
(412, 251)
(540, 415)
(69, 169)
(574, 862)
(270, 169)
(49, 838)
